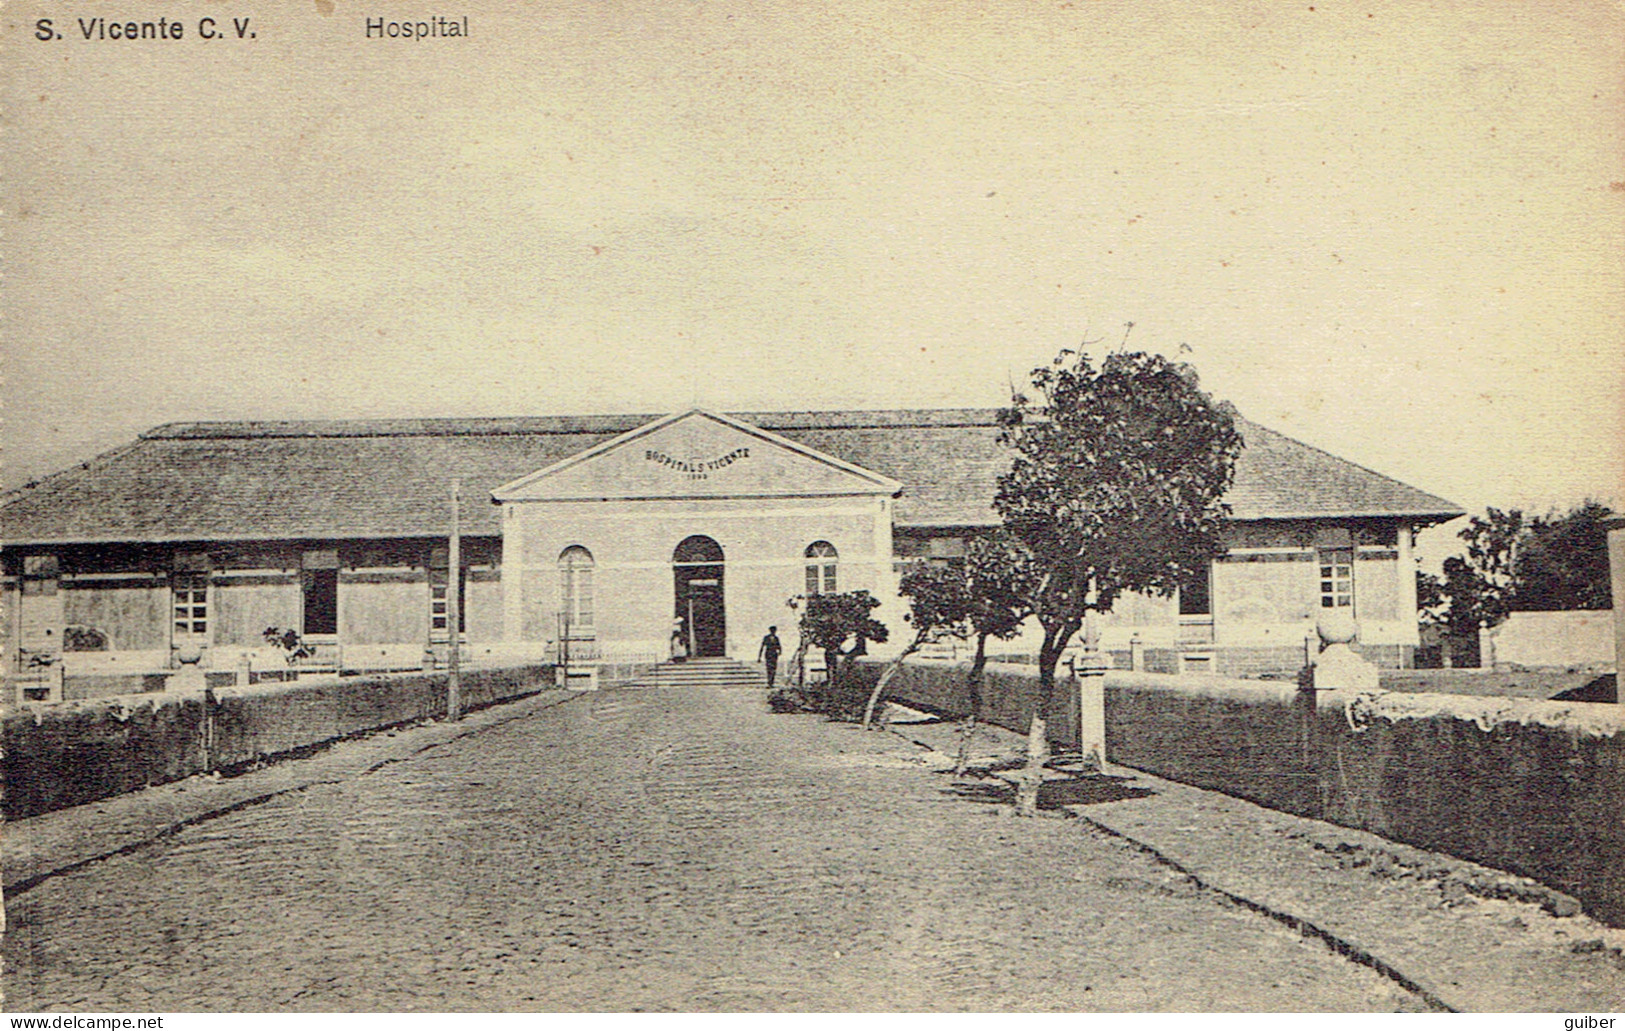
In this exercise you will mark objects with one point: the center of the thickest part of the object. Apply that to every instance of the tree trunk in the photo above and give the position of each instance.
(973, 687)
(884, 679)
(1032, 778)
(800, 662)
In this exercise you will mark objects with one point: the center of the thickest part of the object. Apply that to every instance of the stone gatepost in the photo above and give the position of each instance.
(1136, 653)
(1089, 676)
(188, 677)
(1486, 648)
(1338, 667)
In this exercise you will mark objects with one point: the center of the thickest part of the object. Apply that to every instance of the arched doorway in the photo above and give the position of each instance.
(696, 568)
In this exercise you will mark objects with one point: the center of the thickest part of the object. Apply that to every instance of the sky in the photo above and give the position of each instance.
(1392, 230)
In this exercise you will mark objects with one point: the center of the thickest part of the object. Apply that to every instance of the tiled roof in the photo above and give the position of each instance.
(390, 478)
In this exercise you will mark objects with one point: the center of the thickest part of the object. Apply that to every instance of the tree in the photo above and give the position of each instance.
(1561, 562)
(1430, 600)
(1517, 564)
(840, 624)
(999, 573)
(938, 607)
(1480, 587)
(293, 646)
(1116, 486)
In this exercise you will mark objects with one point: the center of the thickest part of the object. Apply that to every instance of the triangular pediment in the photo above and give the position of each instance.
(696, 454)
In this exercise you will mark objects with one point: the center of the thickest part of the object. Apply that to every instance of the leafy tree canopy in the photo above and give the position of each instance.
(938, 602)
(831, 621)
(1562, 562)
(1118, 477)
(1000, 575)
(1515, 563)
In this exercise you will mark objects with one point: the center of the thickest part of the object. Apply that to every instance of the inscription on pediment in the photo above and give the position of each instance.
(695, 467)
(696, 454)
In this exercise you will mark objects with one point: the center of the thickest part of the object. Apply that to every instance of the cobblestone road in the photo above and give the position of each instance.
(653, 850)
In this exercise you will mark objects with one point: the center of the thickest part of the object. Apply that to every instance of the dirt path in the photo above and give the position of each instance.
(654, 850)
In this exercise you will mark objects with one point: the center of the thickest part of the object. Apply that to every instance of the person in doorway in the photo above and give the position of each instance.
(768, 654)
(679, 642)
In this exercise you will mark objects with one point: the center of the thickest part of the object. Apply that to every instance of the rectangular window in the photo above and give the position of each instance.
(438, 608)
(584, 616)
(321, 588)
(41, 567)
(190, 607)
(947, 547)
(40, 573)
(1337, 578)
(821, 577)
(1196, 592)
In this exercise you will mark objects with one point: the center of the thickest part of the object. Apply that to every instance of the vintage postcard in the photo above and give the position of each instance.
(617, 505)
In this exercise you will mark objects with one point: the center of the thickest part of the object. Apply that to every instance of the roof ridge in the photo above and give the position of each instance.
(513, 425)
(411, 426)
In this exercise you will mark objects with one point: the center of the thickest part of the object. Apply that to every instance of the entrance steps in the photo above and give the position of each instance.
(710, 673)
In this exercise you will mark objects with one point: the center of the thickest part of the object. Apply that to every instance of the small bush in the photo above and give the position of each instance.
(846, 703)
(788, 699)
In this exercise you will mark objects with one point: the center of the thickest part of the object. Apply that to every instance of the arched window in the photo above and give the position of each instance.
(821, 568)
(575, 587)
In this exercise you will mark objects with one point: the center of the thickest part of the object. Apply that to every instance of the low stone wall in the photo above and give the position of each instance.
(1525, 683)
(108, 685)
(76, 752)
(1533, 787)
(1009, 694)
(1563, 640)
(1248, 738)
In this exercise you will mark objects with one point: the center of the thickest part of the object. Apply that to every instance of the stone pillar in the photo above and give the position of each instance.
(1136, 653)
(188, 676)
(1338, 667)
(1486, 648)
(188, 679)
(1407, 585)
(512, 573)
(1089, 674)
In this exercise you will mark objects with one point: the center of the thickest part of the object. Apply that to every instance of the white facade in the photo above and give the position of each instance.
(749, 504)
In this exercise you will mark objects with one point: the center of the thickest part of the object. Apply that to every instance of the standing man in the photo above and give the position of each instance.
(768, 654)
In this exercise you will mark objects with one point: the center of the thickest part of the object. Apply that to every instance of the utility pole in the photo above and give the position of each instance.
(454, 611)
(564, 647)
